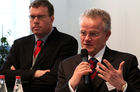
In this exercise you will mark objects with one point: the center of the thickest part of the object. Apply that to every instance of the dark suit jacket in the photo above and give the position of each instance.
(57, 47)
(131, 73)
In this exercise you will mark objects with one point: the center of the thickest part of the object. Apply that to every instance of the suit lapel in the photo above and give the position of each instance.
(97, 81)
(47, 47)
(28, 50)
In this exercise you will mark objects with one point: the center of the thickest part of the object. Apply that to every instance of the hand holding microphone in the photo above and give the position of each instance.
(84, 56)
(81, 70)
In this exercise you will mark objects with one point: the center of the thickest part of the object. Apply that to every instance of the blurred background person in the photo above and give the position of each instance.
(36, 57)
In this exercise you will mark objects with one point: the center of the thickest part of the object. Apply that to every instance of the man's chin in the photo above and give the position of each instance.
(90, 51)
(88, 47)
(38, 34)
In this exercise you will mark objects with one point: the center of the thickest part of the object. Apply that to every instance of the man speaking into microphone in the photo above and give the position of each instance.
(115, 71)
(84, 56)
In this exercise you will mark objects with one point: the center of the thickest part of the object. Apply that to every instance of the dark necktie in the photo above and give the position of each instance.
(38, 48)
(93, 62)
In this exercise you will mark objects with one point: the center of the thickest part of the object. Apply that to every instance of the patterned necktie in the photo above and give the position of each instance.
(93, 62)
(38, 48)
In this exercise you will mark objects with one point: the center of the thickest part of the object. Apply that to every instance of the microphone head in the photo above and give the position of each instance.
(84, 53)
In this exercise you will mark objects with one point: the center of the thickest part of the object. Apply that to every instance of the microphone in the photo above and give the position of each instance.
(84, 56)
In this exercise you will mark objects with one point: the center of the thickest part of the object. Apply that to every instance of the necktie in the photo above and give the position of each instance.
(93, 62)
(38, 48)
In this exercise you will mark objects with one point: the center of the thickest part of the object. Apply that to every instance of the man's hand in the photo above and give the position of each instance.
(111, 75)
(40, 73)
(12, 68)
(82, 69)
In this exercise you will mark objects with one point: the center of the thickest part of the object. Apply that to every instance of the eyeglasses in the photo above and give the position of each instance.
(39, 17)
(91, 34)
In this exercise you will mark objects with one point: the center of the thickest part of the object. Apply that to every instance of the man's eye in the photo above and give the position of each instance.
(31, 17)
(40, 17)
(93, 34)
(83, 33)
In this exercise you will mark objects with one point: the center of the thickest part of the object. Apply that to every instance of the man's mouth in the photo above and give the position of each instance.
(87, 44)
(36, 28)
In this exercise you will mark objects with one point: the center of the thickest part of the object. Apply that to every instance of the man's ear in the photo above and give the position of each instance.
(108, 33)
(52, 18)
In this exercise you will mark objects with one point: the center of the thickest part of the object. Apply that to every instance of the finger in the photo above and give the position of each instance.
(84, 69)
(103, 67)
(48, 70)
(100, 71)
(86, 72)
(121, 66)
(84, 63)
(101, 76)
(12, 68)
(108, 64)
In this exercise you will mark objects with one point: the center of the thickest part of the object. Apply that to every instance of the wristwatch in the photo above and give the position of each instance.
(122, 89)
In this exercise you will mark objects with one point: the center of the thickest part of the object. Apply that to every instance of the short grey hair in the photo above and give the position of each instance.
(95, 12)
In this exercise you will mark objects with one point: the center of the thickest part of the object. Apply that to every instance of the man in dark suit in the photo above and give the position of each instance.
(115, 72)
(39, 73)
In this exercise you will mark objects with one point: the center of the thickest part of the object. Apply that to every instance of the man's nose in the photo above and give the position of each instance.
(36, 20)
(88, 37)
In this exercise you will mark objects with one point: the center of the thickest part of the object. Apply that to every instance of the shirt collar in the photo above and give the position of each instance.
(99, 55)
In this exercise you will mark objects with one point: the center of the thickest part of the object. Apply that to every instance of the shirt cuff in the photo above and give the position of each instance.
(125, 87)
(71, 89)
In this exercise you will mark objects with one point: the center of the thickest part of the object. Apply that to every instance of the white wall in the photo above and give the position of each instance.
(13, 15)
(125, 21)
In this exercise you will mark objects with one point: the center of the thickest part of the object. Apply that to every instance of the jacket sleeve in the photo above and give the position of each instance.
(68, 48)
(13, 58)
(132, 75)
(62, 84)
